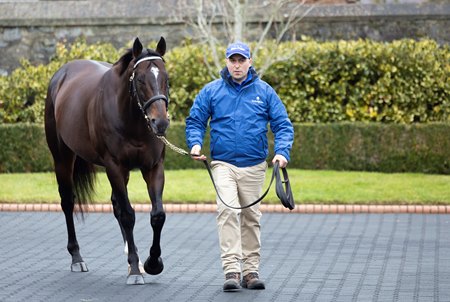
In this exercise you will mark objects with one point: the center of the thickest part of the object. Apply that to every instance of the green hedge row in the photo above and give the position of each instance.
(399, 82)
(24, 149)
(402, 82)
(338, 146)
(23, 92)
(379, 147)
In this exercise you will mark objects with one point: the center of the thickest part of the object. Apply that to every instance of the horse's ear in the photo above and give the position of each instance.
(161, 47)
(137, 48)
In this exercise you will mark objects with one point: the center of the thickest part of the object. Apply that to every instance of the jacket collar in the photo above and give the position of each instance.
(224, 73)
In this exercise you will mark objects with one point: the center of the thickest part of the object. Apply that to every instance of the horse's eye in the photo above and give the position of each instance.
(140, 80)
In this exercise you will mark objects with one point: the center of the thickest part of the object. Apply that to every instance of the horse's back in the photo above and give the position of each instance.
(77, 79)
(72, 90)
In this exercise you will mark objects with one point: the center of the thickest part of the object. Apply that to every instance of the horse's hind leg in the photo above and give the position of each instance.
(64, 160)
(63, 172)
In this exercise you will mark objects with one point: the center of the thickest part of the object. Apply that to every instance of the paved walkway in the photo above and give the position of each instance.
(305, 257)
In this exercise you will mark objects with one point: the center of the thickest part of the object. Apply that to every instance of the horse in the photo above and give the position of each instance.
(111, 115)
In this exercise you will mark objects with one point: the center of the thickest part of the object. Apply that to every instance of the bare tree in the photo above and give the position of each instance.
(217, 22)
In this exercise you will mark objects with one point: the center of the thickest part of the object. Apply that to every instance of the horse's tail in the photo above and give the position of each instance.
(84, 179)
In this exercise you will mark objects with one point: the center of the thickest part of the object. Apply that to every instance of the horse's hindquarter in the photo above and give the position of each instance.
(76, 94)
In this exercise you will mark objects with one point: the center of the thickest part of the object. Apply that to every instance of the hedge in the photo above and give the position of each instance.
(24, 149)
(402, 81)
(379, 147)
(399, 82)
(423, 148)
(23, 92)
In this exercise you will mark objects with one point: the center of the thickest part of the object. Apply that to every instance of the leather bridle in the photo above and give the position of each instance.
(144, 105)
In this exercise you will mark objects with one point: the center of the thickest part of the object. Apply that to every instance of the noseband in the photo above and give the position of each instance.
(154, 99)
(133, 91)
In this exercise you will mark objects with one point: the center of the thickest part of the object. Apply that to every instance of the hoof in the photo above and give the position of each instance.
(79, 267)
(154, 269)
(135, 280)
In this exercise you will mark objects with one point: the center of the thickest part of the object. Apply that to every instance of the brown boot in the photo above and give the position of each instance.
(251, 281)
(232, 282)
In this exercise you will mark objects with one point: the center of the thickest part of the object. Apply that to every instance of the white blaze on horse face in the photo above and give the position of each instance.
(155, 72)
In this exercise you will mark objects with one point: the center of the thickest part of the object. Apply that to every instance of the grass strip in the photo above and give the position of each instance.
(308, 186)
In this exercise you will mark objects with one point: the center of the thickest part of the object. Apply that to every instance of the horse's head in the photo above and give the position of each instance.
(150, 85)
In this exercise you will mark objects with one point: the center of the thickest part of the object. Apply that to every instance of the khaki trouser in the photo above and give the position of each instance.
(239, 230)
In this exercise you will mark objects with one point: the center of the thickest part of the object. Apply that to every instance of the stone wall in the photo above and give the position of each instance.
(31, 28)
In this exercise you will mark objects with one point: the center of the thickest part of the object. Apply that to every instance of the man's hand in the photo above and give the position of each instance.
(195, 153)
(281, 159)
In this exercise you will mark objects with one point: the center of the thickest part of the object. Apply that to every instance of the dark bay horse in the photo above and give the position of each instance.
(110, 115)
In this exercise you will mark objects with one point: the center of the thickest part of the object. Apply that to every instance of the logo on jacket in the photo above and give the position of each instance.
(257, 100)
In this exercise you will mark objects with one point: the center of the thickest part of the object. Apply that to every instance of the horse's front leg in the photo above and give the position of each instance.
(126, 216)
(116, 211)
(155, 184)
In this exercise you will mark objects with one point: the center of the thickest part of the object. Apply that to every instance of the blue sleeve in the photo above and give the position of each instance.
(197, 120)
(281, 126)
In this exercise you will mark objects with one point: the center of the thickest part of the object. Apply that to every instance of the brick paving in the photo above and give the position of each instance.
(305, 257)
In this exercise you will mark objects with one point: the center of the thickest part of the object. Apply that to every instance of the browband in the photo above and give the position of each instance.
(146, 59)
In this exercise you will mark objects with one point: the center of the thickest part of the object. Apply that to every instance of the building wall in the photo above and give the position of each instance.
(31, 28)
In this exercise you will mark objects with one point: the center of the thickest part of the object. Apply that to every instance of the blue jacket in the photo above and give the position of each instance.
(239, 115)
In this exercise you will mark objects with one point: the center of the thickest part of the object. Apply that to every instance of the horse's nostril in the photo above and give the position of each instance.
(159, 125)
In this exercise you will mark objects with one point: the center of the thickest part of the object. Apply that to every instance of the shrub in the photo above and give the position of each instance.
(188, 73)
(379, 147)
(23, 93)
(24, 149)
(401, 82)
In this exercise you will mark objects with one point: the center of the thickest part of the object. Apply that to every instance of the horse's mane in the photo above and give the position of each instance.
(124, 61)
(127, 57)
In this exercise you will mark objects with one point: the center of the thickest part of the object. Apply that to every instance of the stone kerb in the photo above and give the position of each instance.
(266, 208)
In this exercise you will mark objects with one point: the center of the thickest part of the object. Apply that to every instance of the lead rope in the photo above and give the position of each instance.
(285, 195)
(172, 146)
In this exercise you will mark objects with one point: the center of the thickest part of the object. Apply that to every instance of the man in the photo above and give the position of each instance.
(239, 106)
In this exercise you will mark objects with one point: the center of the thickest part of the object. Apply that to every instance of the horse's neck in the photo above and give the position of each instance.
(127, 104)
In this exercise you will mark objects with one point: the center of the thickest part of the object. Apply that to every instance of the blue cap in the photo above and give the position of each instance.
(238, 48)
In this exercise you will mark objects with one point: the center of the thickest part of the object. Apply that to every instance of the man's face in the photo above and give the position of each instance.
(238, 67)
